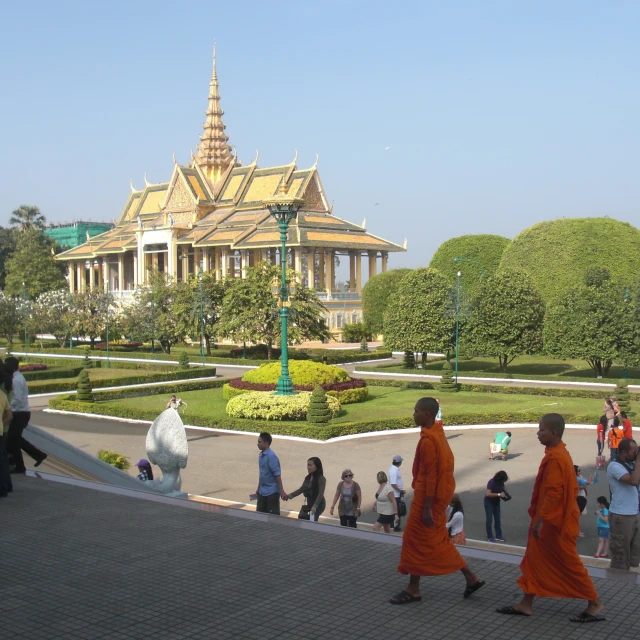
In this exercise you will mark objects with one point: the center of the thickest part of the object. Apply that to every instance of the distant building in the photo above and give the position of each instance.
(72, 234)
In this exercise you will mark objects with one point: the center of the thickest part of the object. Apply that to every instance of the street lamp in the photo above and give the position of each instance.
(108, 361)
(70, 301)
(457, 320)
(284, 208)
(26, 335)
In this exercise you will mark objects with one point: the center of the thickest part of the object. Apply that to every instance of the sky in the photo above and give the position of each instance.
(496, 114)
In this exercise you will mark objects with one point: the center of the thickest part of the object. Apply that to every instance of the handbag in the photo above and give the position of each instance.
(402, 508)
(506, 497)
(600, 462)
(305, 512)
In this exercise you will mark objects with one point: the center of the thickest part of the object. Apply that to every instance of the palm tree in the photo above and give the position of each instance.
(28, 217)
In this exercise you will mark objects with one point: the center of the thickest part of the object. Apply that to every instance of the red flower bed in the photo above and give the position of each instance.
(354, 383)
(126, 345)
(33, 367)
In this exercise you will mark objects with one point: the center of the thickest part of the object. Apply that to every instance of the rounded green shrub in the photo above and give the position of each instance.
(265, 405)
(484, 249)
(622, 396)
(183, 361)
(116, 460)
(319, 412)
(375, 297)
(83, 387)
(302, 372)
(350, 396)
(558, 253)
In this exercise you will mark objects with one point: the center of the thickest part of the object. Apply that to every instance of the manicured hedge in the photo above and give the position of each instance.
(50, 386)
(266, 405)
(52, 374)
(303, 373)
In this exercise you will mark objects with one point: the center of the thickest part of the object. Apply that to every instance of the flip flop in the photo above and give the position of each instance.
(511, 611)
(404, 597)
(473, 588)
(587, 617)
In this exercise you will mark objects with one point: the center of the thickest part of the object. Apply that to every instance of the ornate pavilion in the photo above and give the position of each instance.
(210, 216)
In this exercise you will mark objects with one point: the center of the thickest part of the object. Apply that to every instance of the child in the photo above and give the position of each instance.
(603, 528)
(455, 520)
(614, 437)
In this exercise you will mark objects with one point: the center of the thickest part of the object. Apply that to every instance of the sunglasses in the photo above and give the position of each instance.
(348, 475)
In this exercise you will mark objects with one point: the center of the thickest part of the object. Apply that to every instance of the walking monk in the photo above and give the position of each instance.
(427, 549)
(551, 566)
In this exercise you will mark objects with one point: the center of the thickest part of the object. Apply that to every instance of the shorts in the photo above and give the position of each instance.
(384, 519)
(603, 532)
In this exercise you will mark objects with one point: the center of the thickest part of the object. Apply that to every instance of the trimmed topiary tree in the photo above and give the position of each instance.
(409, 360)
(183, 362)
(364, 346)
(87, 362)
(319, 412)
(83, 386)
(622, 396)
(558, 253)
(484, 249)
(447, 381)
(375, 297)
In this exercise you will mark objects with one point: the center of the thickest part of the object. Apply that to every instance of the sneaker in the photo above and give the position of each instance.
(500, 540)
(491, 539)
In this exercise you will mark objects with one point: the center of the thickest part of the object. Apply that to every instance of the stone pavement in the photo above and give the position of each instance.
(83, 564)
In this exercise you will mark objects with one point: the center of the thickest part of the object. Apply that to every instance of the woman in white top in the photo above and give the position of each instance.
(385, 504)
(455, 522)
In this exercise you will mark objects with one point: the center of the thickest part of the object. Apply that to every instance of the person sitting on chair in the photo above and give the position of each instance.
(500, 445)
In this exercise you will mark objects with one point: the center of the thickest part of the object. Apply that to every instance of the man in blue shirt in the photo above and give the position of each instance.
(623, 514)
(270, 488)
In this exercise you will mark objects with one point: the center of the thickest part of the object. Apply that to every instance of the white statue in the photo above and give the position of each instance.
(167, 448)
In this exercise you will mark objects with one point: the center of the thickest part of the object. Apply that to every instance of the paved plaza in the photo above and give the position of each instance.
(83, 564)
(223, 465)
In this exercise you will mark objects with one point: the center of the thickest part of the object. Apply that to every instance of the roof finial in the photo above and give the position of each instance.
(295, 159)
(316, 162)
(146, 182)
(174, 158)
(255, 160)
(133, 189)
(364, 223)
(404, 245)
(214, 74)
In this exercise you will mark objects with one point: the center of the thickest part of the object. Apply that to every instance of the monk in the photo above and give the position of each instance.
(427, 549)
(551, 566)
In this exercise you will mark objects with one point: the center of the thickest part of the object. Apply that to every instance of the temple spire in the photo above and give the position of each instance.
(214, 151)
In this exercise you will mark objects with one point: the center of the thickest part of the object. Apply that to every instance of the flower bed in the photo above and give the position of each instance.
(119, 345)
(353, 390)
(32, 367)
(264, 405)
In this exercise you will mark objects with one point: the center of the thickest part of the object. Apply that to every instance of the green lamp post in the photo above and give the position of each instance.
(26, 316)
(201, 317)
(284, 208)
(107, 323)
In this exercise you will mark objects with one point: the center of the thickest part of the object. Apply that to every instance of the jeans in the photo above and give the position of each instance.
(269, 504)
(349, 521)
(600, 446)
(624, 541)
(320, 510)
(5, 477)
(614, 454)
(492, 512)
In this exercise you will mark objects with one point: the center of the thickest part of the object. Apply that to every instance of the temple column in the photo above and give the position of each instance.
(140, 263)
(224, 261)
(297, 261)
(244, 263)
(373, 264)
(92, 277)
(358, 272)
(205, 259)
(311, 268)
(321, 259)
(172, 259)
(352, 271)
(71, 270)
(329, 271)
(385, 261)
(121, 272)
(154, 261)
(135, 270)
(216, 263)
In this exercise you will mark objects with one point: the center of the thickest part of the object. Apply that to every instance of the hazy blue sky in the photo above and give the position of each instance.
(498, 114)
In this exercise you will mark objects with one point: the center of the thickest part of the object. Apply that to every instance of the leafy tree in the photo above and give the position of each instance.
(375, 297)
(250, 312)
(356, 332)
(32, 263)
(8, 242)
(416, 318)
(10, 317)
(596, 322)
(52, 314)
(506, 319)
(152, 315)
(189, 308)
(28, 218)
(88, 315)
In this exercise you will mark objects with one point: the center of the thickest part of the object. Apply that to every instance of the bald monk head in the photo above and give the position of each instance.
(551, 429)
(425, 412)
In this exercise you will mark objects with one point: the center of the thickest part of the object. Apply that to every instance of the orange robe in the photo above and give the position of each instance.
(551, 566)
(428, 551)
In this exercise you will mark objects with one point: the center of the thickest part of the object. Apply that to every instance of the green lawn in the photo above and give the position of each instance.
(389, 402)
(525, 366)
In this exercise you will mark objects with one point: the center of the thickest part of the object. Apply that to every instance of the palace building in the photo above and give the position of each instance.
(210, 216)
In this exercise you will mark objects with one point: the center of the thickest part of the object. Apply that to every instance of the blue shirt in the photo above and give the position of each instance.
(601, 523)
(269, 468)
(624, 499)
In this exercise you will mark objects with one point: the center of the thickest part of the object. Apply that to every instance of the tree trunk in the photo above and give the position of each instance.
(207, 342)
(269, 347)
(606, 367)
(503, 360)
(424, 360)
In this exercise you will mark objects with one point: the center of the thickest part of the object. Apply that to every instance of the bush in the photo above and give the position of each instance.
(364, 347)
(87, 363)
(184, 360)
(622, 396)
(356, 332)
(51, 374)
(264, 405)
(447, 383)
(301, 372)
(350, 396)
(319, 412)
(116, 460)
(32, 367)
(376, 294)
(84, 387)
(257, 352)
